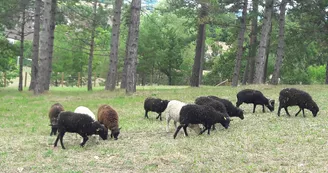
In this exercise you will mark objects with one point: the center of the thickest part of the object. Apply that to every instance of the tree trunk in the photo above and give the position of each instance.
(112, 72)
(36, 38)
(21, 58)
(132, 49)
(281, 44)
(253, 44)
(202, 58)
(51, 43)
(195, 76)
(260, 59)
(92, 42)
(44, 49)
(236, 72)
(327, 73)
(267, 55)
(123, 81)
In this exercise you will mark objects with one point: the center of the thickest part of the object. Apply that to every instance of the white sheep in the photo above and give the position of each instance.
(173, 112)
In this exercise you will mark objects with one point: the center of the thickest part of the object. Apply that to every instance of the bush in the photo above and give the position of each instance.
(317, 74)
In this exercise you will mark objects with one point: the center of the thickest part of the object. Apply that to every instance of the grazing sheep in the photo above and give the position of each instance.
(155, 105)
(82, 124)
(85, 110)
(232, 110)
(109, 117)
(200, 114)
(54, 111)
(173, 112)
(255, 97)
(217, 105)
(295, 97)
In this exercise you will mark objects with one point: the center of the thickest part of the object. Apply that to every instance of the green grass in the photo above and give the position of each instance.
(262, 142)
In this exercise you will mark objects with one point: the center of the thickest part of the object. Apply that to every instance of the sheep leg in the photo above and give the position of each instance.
(178, 129)
(238, 104)
(56, 141)
(263, 110)
(168, 119)
(185, 129)
(254, 108)
(213, 127)
(286, 111)
(303, 112)
(61, 140)
(209, 129)
(204, 129)
(298, 112)
(85, 139)
(279, 110)
(159, 116)
(146, 114)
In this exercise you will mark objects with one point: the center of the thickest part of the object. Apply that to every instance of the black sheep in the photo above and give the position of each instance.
(217, 105)
(54, 111)
(155, 105)
(255, 97)
(295, 97)
(82, 124)
(232, 110)
(200, 114)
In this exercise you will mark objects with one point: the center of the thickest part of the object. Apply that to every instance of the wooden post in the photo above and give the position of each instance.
(78, 80)
(25, 79)
(94, 81)
(62, 79)
(5, 79)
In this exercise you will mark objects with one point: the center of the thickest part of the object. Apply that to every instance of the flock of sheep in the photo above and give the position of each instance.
(201, 116)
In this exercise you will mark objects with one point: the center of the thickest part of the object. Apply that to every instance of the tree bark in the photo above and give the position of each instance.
(236, 72)
(281, 44)
(195, 76)
(202, 58)
(51, 43)
(253, 44)
(36, 39)
(260, 59)
(132, 49)
(92, 42)
(112, 71)
(267, 53)
(44, 49)
(21, 58)
(327, 73)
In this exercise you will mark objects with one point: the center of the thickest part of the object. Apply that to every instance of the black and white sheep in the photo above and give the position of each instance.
(155, 105)
(108, 116)
(54, 111)
(256, 97)
(82, 124)
(296, 97)
(200, 114)
(232, 110)
(173, 112)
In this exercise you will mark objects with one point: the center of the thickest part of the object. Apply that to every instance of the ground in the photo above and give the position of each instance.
(262, 142)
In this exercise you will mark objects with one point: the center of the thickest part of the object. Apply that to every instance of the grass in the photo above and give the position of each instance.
(262, 142)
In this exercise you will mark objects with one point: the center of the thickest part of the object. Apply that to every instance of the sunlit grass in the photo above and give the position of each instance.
(262, 142)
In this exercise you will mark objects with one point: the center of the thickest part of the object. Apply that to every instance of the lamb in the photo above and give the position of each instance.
(82, 124)
(295, 97)
(155, 105)
(85, 110)
(54, 111)
(255, 97)
(108, 116)
(232, 110)
(173, 112)
(200, 114)
(217, 105)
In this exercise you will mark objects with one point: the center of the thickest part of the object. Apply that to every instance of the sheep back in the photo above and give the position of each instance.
(217, 105)
(232, 110)
(85, 110)
(108, 116)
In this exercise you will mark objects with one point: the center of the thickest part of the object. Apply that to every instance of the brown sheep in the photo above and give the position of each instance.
(108, 116)
(54, 111)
